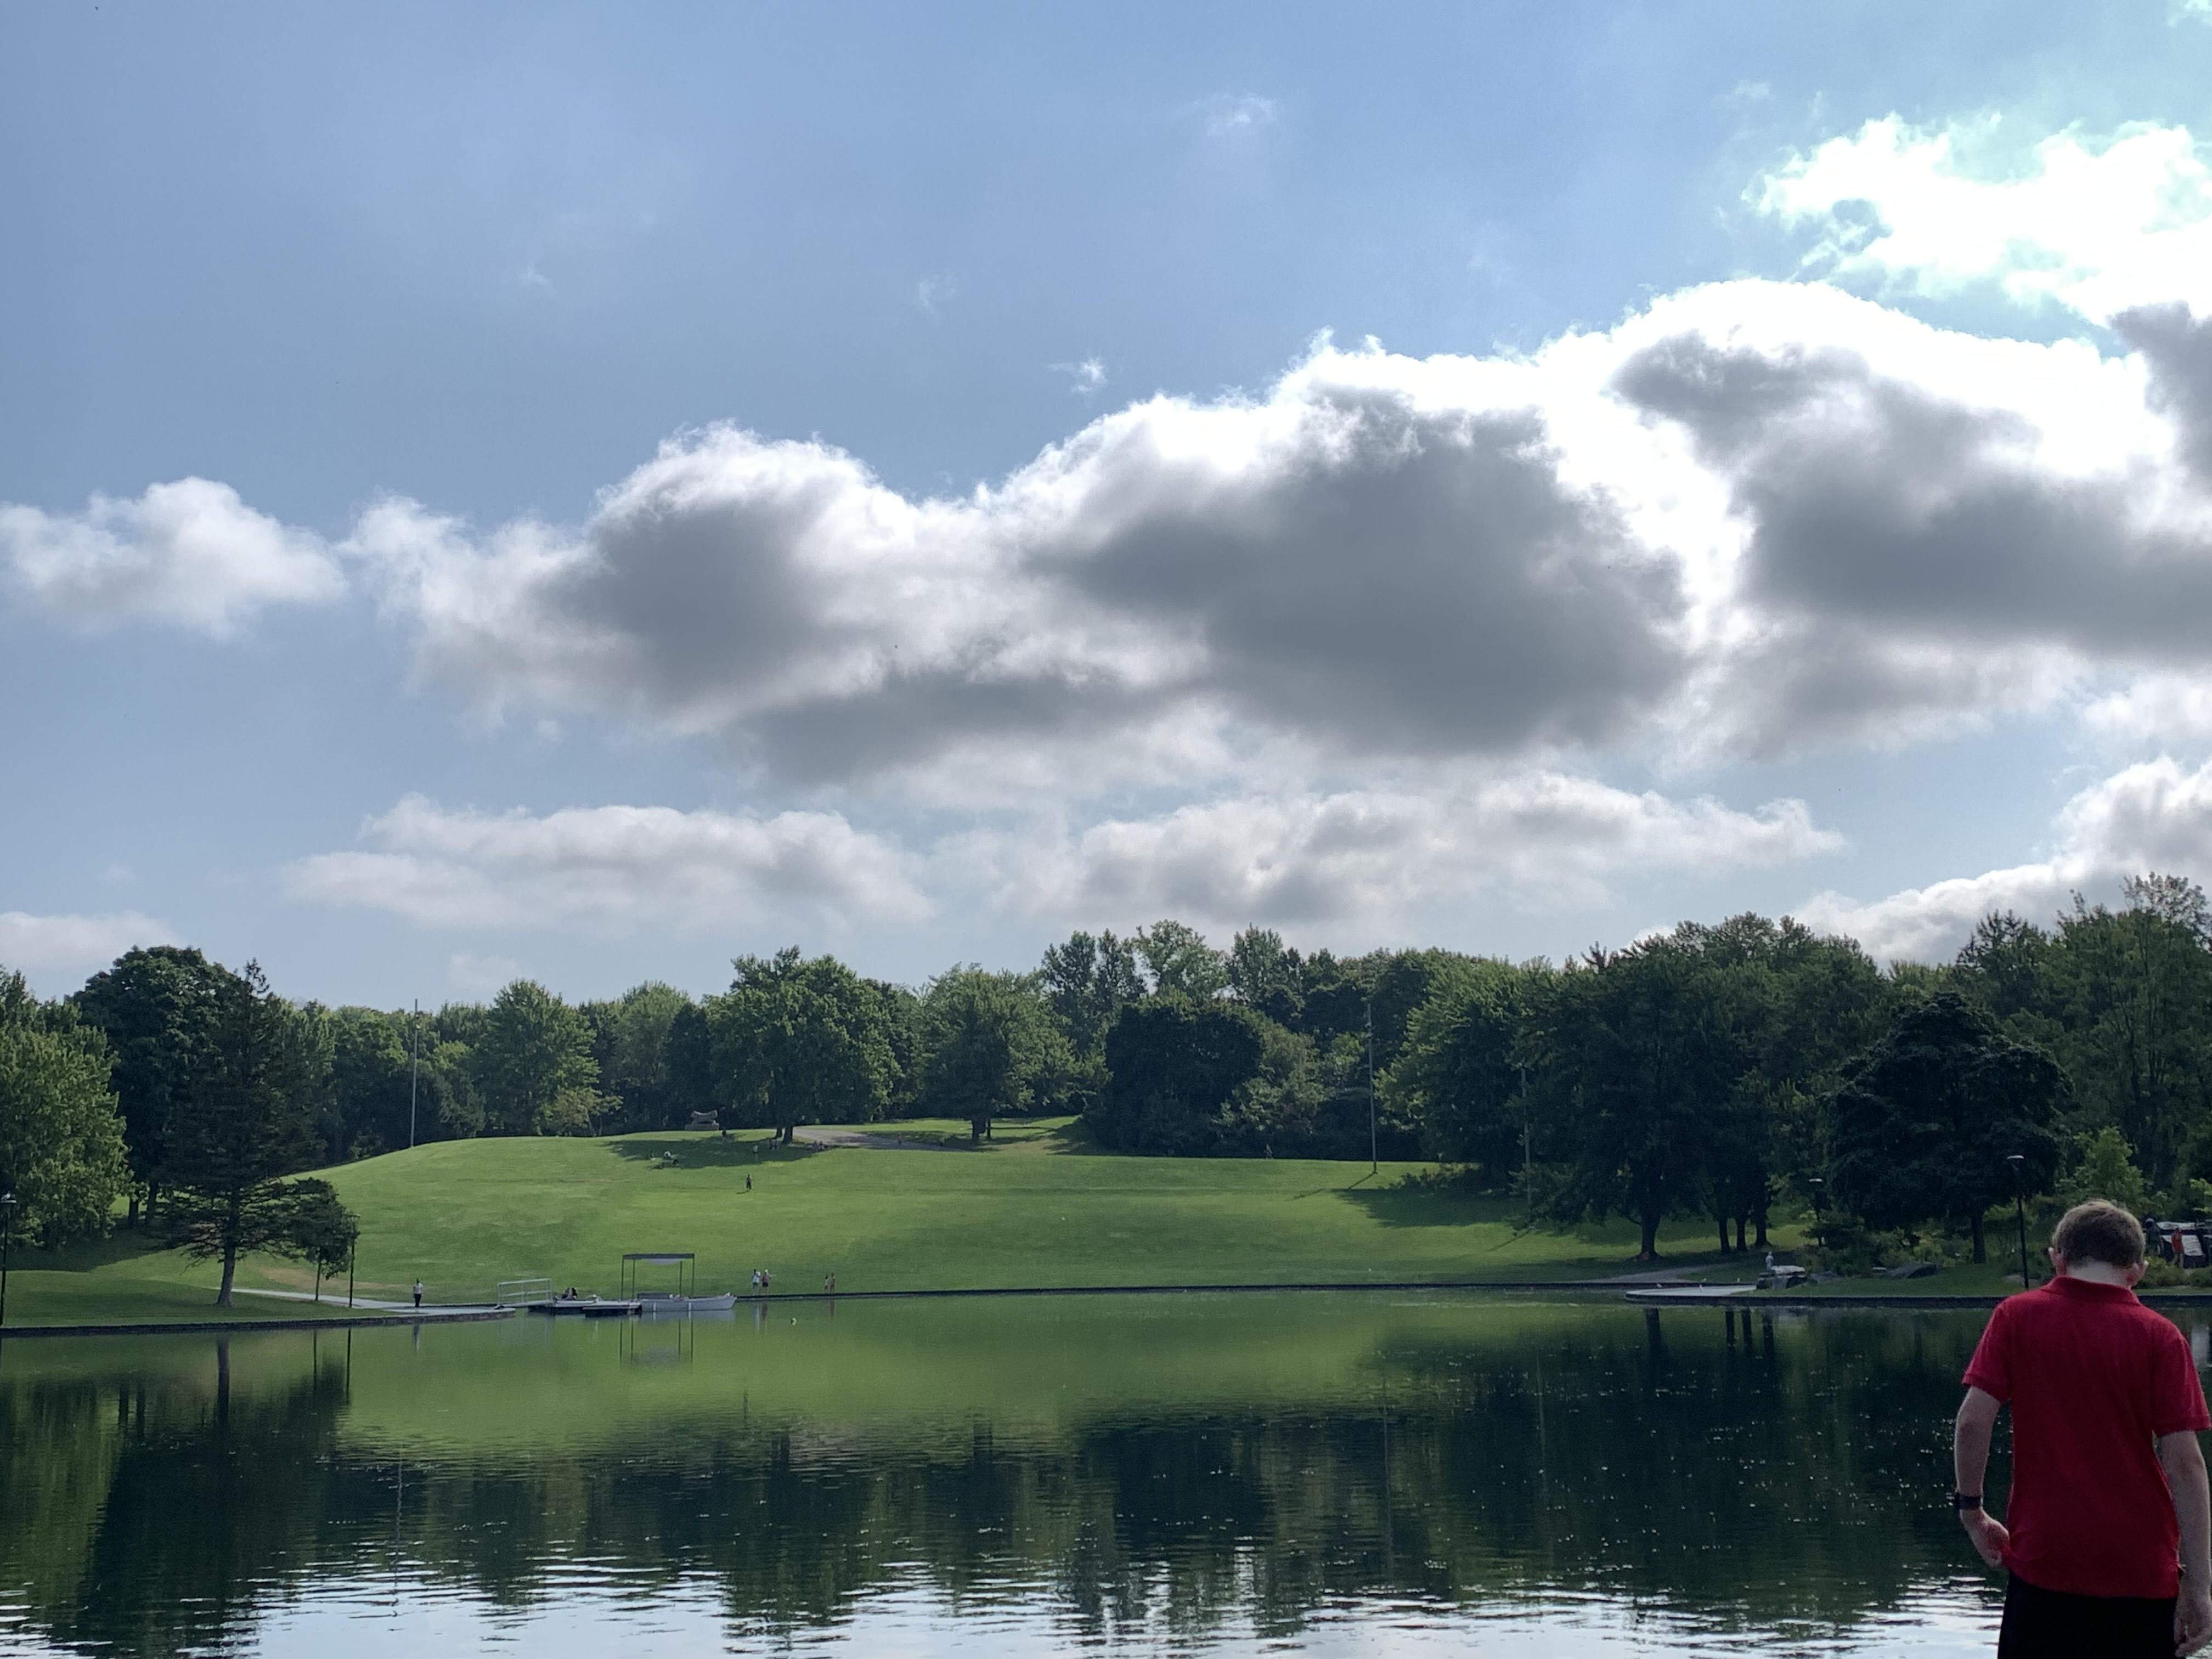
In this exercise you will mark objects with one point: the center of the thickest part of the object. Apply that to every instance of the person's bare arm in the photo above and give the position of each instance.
(1970, 1464)
(2183, 1460)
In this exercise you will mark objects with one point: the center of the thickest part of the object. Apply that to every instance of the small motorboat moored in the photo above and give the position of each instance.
(670, 1301)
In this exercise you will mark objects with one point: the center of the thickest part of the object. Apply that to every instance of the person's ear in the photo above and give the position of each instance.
(2135, 1273)
(2057, 1262)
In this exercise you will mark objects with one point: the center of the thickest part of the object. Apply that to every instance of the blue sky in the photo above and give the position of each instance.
(1777, 480)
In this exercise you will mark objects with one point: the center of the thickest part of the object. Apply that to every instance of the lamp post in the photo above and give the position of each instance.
(1528, 1160)
(1374, 1160)
(1819, 1232)
(7, 1232)
(2018, 1161)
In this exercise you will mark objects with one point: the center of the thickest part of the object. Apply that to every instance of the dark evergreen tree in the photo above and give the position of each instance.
(245, 1123)
(156, 1007)
(1172, 1064)
(1923, 1129)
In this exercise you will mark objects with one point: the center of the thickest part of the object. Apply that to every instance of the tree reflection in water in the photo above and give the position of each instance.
(1150, 1474)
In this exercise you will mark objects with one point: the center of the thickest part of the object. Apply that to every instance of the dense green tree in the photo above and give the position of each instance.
(394, 1082)
(2171, 898)
(1332, 998)
(60, 1136)
(371, 1077)
(990, 1042)
(156, 1007)
(2106, 1168)
(1642, 1055)
(630, 1043)
(2006, 968)
(1282, 1109)
(1266, 975)
(800, 1040)
(532, 1048)
(1804, 1008)
(2129, 1004)
(321, 1231)
(1461, 1074)
(907, 1038)
(1923, 1127)
(1400, 982)
(1086, 982)
(691, 1061)
(1172, 1064)
(1181, 962)
(245, 1122)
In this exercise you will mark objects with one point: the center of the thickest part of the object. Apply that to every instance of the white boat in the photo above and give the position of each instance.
(669, 1302)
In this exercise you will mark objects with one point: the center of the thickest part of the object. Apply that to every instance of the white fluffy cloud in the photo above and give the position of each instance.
(189, 553)
(1350, 636)
(2156, 815)
(2096, 226)
(2155, 709)
(610, 869)
(65, 944)
(1756, 517)
(1381, 553)
(1753, 517)
(1374, 857)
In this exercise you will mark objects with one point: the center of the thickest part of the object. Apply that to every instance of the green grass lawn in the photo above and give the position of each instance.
(1034, 1207)
(119, 1281)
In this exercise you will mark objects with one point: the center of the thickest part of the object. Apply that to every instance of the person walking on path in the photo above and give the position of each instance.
(2107, 1532)
(418, 1292)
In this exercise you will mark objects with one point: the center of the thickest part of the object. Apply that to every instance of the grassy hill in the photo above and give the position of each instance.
(1036, 1207)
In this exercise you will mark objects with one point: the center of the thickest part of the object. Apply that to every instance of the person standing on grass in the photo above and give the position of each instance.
(418, 1292)
(2107, 1535)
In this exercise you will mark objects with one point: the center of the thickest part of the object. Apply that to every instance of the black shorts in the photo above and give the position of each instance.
(2041, 1623)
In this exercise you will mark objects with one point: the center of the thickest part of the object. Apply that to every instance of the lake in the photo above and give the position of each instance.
(1353, 1475)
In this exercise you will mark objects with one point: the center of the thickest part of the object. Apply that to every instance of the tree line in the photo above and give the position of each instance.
(1717, 1069)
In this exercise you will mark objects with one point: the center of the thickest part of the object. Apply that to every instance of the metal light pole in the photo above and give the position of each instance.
(1527, 1161)
(413, 1066)
(1374, 1163)
(7, 1231)
(2020, 1209)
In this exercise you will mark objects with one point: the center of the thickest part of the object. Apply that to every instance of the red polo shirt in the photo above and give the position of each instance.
(2094, 1378)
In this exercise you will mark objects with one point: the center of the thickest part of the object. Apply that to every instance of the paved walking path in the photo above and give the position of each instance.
(814, 1137)
(428, 1310)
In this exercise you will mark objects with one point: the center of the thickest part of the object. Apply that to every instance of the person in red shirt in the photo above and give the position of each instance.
(2106, 1531)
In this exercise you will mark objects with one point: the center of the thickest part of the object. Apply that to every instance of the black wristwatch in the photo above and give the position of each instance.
(1966, 1500)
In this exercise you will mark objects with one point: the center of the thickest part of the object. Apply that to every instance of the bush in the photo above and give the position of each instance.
(1852, 1249)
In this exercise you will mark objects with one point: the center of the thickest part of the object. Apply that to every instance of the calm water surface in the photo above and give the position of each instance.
(1229, 1475)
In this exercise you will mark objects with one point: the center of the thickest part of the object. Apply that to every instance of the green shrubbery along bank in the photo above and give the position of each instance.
(1716, 1077)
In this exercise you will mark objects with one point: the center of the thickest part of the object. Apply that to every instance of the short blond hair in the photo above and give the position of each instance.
(2099, 1231)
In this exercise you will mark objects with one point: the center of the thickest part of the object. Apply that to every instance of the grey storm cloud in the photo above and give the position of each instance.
(1421, 582)
(1338, 565)
(1873, 501)
(1754, 517)
(2177, 350)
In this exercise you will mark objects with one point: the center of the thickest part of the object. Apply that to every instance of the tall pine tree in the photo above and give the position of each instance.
(246, 1122)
